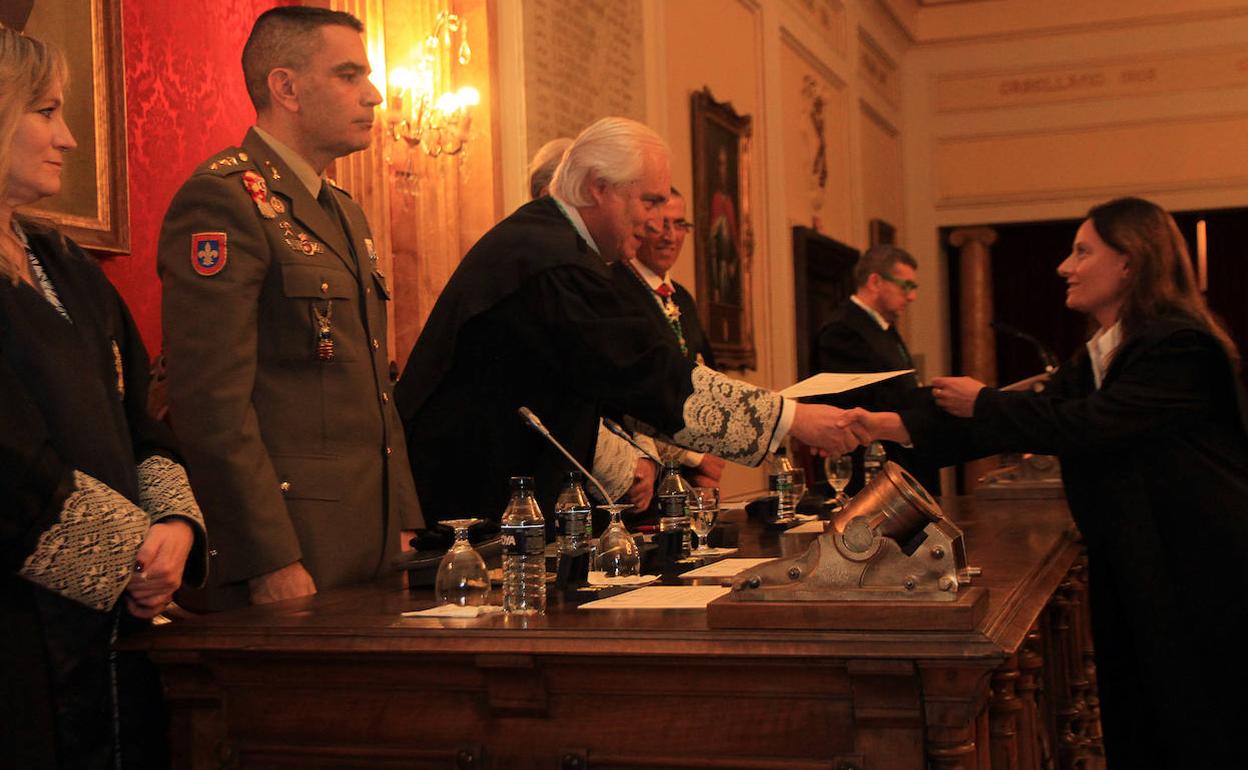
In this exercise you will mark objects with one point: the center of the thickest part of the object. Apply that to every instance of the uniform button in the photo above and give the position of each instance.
(376, 344)
(389, 451)
(385, 398)
(368, 289)
(284, 486)
(324, 287)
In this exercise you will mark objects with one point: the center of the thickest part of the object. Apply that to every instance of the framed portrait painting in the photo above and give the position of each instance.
(723, 238)
(93, 205)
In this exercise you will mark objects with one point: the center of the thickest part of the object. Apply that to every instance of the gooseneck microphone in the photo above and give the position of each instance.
(615, 428)
(1047, 358)
(533, 422)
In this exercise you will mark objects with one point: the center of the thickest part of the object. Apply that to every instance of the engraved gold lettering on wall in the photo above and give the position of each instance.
(583, 61)
(1171, 73)
(877, 69)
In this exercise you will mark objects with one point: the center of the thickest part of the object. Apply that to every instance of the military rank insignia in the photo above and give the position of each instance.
(259, 193)
(372, 251)
(208, 253)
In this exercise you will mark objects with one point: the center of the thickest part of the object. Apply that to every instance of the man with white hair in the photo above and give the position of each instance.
(532, 318)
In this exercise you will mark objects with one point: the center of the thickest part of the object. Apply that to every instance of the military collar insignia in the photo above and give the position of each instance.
(208, 253)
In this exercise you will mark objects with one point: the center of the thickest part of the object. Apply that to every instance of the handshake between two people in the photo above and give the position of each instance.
(831, 431)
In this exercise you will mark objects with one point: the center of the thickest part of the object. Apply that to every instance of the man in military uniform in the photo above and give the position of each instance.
(275, 331)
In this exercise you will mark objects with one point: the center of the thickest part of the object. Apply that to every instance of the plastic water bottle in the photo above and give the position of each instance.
(673, 497)
(873, 460)
(572, 515)
(524, 551)
(780, 483)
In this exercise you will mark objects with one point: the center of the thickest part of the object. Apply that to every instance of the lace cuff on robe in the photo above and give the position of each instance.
(88, 554)
(165, 491)
(615, 460)
(729, 418)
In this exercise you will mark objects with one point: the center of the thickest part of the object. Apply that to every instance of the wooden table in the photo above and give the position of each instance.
(341, 681)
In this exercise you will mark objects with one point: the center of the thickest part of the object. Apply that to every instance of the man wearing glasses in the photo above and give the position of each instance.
(647, 278)
(862, 337)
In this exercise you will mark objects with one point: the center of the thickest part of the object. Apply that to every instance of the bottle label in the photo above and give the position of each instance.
(672, 506)
(572, 522)
(780, 482)
(524, 539)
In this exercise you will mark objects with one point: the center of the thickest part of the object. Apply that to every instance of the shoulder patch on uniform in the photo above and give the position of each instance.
(208, 253)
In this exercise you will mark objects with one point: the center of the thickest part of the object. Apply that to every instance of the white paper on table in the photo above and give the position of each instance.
(660, 598)
(724, 568)
(709, 552)
(829, 382)
(733, 505)
(453, 611)
(599, 578)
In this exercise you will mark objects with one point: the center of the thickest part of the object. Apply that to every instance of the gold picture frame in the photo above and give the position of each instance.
(723, 237)
(93, 206)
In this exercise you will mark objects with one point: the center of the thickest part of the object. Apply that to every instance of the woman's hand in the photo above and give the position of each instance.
(956, 395)
(158, 572)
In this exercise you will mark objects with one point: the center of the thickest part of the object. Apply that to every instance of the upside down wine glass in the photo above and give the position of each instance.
(616, 554)
(462, 576)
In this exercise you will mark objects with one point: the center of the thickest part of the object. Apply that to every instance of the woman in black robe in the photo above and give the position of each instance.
(1150, 425)
(93, 503)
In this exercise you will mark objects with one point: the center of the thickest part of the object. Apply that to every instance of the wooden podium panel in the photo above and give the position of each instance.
(340, 680)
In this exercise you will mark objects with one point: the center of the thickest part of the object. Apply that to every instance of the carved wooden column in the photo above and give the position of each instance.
(1005, 712)
(1032, 731)
(954, 699)
(979, 342)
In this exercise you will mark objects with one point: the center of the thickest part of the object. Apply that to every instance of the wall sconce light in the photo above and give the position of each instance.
(437, 123)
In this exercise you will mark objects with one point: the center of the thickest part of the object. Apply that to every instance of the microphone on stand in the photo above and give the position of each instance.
(533, 422)
(618, 430)
(1046, 356)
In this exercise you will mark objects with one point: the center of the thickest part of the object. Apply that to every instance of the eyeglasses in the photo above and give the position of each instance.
(901, 283)
(682, 225)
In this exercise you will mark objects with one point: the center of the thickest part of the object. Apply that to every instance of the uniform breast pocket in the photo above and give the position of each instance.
(320, 318)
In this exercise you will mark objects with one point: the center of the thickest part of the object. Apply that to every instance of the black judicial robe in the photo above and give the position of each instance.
(634, 286)
(1155, 466)
(72, 396)
(532, 318)
(852, 341)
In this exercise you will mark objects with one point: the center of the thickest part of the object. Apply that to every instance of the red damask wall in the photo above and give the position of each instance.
(184, 100)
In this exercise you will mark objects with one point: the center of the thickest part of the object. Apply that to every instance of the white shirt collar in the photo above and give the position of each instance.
(652, 279)
(303, 170)
(1101, 349)
(574, 217)
(879, 319)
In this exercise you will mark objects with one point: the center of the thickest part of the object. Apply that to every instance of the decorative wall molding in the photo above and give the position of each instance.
(1146, 75)
(827, 19)
(816, 62)
(877, 68)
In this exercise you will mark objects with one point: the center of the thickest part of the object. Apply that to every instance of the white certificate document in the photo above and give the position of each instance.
(828, 383)
(660, 598)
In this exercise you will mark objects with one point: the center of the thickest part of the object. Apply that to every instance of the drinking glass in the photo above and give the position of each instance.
(703, 513)
(839, 471)
(462, 576)
(616, 554)
(799, 486)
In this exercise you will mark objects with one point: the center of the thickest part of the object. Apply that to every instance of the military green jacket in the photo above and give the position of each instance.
(279, 385)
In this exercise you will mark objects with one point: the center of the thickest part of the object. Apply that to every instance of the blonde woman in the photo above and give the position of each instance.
(96, 518)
